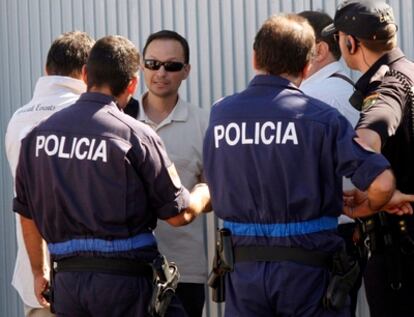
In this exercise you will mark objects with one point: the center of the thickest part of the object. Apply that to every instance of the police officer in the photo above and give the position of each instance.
(367, 35)
(92, 182)
(274, 160)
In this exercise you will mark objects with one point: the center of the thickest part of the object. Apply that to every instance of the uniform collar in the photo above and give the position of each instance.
(272, 80)
(324, 73)
(179, 113)
(98, 99)
(387, 59)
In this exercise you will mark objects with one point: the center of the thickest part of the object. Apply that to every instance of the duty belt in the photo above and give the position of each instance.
(104, 265)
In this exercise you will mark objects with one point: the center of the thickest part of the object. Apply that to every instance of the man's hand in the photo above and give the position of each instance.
(400, 204)
(356, 204)
(199, 202)
(41, 284)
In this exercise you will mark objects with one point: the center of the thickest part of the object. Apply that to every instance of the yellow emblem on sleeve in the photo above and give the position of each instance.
(369, 101)
(175, 178)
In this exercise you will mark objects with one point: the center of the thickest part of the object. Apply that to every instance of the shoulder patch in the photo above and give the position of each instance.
(172, 172)
(369, 101)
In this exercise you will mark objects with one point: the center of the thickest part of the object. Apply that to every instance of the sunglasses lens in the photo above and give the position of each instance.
(173, 66)
(152, 64)
(168, 66)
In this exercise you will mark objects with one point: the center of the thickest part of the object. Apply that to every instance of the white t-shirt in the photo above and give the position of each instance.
(335, 92)
(182, 133)
(51, 94)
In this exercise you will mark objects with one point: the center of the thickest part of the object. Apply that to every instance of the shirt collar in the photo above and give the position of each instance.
(323, 73)
(179, 112)
(386, 59)
(58, 85)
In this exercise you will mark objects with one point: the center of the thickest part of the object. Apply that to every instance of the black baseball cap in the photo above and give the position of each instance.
(363, 19)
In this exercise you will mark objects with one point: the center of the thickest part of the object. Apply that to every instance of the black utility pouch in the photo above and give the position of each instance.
(343, 277)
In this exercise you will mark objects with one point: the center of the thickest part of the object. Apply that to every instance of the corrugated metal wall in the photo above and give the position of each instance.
(220, 34)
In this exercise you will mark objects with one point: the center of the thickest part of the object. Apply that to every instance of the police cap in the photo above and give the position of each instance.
(363, 19)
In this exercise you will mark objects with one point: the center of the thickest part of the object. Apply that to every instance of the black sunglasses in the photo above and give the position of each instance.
(153, 64)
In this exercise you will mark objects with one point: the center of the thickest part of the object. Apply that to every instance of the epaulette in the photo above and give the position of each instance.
(408, 89)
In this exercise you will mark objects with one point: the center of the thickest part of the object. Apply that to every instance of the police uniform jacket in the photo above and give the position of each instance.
(94, 180)
(274, 160)
(388, 110)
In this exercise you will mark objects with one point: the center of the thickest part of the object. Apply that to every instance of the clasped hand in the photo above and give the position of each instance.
(356, 204)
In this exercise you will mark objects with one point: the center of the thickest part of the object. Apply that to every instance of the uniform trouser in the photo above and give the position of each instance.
(382, 300)
(192, 296)
(87, 294)
(270, 289)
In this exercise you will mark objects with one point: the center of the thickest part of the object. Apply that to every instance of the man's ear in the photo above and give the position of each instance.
(84, 74)
(187, 69)
(306, 70)
(321, 51)
(254, 63)
(132, 86)
(351, 44)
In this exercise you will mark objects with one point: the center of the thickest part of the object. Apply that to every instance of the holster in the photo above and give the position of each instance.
(166, 277)
(344, 274)
(222, 264)
(388, 235)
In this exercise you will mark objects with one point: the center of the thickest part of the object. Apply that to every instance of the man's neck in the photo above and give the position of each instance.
(368, 58)
(158, 108)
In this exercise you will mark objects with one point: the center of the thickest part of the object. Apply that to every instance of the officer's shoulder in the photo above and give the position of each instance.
(137, 127)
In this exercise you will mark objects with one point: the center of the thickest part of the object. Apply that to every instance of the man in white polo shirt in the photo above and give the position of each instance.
(328, 82)
(60, 88)
(181, 126)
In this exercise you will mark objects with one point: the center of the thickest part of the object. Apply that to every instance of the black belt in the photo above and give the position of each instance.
(104, 265)
(277, 254)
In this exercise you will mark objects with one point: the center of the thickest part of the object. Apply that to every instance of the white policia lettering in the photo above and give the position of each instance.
(81, 149)
(268, 132)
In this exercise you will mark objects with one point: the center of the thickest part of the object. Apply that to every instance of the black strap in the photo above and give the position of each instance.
(277, 254)
(343, 77)
(104, 265)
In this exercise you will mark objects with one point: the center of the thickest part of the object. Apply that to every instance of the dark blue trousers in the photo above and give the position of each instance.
(86, 294)
(270, 289)
(382, 299)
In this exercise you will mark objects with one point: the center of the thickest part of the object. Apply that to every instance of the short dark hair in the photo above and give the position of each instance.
(319, 20)
(68, 53)
(113, 62)
(284, 44)
(169, 35)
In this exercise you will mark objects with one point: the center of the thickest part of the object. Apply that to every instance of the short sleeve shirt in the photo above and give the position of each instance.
(387, 110)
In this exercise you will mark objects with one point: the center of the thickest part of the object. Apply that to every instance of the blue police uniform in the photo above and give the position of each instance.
(274, 160)
(95, 181)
